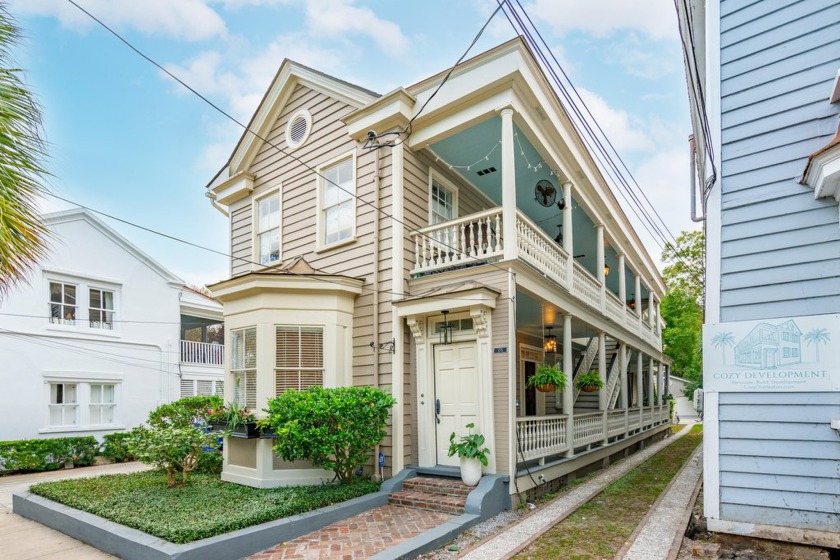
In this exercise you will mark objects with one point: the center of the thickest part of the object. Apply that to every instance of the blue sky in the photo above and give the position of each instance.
(127, 140)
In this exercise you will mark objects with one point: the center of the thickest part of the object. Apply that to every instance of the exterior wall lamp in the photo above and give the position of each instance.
(606, 270)
(550, 342)
(445, 329)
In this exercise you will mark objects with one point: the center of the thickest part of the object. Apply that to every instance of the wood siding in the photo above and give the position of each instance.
(779, 246)
(779, 459)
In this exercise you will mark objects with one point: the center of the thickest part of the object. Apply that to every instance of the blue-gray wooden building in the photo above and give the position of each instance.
(764, 86)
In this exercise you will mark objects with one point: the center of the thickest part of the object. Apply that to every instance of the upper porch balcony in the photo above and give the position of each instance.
(478, 238)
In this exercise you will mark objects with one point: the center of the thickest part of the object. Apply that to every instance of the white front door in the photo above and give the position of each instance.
(456, 394)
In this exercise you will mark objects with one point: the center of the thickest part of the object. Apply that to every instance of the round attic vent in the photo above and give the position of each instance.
(298, 129)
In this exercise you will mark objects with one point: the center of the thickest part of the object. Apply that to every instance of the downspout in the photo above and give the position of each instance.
(215, 204)
(378, 473)
(692, 143)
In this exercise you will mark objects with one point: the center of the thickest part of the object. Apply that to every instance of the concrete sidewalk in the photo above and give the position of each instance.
(515, 538)
(21, 539)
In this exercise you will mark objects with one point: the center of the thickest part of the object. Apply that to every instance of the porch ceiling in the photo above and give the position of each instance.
(478, 147)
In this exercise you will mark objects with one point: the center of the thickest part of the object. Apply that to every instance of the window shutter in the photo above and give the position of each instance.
(205, 388)
(220, 389)
(187, 388)
(299, 358)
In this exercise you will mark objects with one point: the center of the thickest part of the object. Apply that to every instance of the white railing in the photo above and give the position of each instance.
(589, 428)
(633, 419)
(612, 387)
(467, 240)
(537, 248)
(614, 307)
(586, 287)
(632, 316)
(616, 422)
(205, 353)
(541, 436)
(647, 417)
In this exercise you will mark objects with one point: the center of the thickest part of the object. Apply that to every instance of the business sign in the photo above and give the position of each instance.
(795, 354)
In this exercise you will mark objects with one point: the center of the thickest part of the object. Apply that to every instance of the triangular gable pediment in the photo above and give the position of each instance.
(288, 77)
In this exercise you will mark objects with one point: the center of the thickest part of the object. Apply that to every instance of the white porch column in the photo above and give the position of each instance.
(640, 384)
(651, 381)
(568, 241)
(650, 308)
(599, 259)
(624, 354)
(622, 283)
(508, 186)
(602, 373)
(660, 380)
(638, 298)
(569, 391)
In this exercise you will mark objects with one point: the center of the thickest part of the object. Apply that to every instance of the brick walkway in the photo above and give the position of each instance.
(360, 536)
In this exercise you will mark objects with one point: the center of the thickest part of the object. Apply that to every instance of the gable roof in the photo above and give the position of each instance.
(82, 214)
(289, 75)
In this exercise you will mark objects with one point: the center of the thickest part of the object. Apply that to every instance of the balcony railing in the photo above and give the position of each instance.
(543, 436)
(203, 353)
(477, 238)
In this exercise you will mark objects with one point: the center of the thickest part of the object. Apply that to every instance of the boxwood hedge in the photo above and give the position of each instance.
(47, 454)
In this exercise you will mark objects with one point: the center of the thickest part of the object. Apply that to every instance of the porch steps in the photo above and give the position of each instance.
(433, 494)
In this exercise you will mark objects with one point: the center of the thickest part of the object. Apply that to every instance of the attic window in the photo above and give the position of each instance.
(298, 129)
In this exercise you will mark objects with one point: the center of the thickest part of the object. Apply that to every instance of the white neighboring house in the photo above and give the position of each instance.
(100, 335)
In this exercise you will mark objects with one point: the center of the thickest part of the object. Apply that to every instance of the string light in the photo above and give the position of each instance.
(486, 157)
(536, 167)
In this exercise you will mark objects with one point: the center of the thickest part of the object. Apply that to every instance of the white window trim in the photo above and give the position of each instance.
(308, 117)
(83, 286)
(83, 381)
(255, 213)
(446, 183)
(298, 369)
(319, 220)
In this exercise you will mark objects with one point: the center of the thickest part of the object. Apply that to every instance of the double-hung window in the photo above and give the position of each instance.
(300, 358)
(268, 229)
(338, 204)
(102, 403)
(244, 366)
(62, 303)
(64, 404)
(442, 203)
(101, 310)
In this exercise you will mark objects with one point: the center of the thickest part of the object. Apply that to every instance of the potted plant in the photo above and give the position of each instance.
(234, 421)
(589, 381)
(473, 456)
(547, 378)
(265, 429)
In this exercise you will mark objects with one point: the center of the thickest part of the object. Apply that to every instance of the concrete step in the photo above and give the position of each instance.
(452, 504)
(435, 485)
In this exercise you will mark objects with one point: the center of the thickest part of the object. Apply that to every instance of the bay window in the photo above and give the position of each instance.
(299, 358)
(243, 366)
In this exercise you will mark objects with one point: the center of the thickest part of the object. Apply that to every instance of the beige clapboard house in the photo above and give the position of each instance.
(346, 275)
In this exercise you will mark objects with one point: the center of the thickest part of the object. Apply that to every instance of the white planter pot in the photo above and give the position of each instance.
(470, 471)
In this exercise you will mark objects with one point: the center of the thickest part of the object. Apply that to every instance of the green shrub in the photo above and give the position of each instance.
(47, 454)
(332, 428)
(115, 448)
(171, 448)
(210, 462)
(185, 411)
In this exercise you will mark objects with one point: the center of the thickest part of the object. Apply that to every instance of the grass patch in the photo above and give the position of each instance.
(599, 528)
(205, 507)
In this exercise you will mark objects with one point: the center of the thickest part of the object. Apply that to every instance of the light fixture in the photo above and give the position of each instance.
(445, 329)
(632, 301)
(606, 269)
(550, 341)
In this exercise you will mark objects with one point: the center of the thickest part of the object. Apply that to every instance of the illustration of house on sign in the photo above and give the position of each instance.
(770, 346)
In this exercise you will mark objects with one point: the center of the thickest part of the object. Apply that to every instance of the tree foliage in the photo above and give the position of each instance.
(682, 306)
(22, 150)
(335, 428)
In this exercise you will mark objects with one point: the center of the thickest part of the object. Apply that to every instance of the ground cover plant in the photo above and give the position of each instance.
(599, 528)
(203, 508)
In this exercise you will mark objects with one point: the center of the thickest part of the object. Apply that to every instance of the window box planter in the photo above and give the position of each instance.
(217, 426)
(268, 433)
(246, 431)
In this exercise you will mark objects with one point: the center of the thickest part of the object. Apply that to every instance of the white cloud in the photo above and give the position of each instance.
(643, 60)
(626, 132)
(334, 18)
(190, 20)
(601, 18)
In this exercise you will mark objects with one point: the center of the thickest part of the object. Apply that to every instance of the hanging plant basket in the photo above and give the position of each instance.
(547, 388)
(589, 388)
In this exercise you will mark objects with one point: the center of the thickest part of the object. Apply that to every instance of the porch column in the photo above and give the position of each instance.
(599, 260)
(639, 298)
(568, 241)
(640, 385)
(667, 380)
(651, 370)
(602, 373)
(508, 186)
(624, 353)
(622, 284)
(658, 311)
(569, 391)
(660, 379)
(650, 308)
